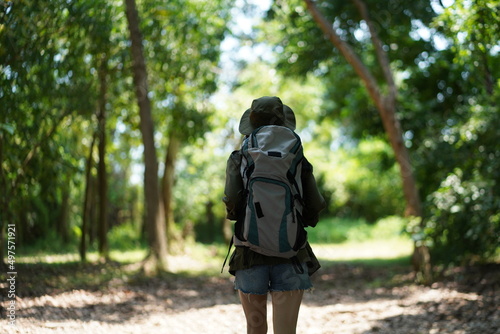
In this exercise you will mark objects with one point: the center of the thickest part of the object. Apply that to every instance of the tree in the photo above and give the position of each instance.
(102, 173)
(87, 195)
(386, 105)
(155, 223)
(183, 64)
(101, 51)
(458, 141)
(445, 101)
(45, 85)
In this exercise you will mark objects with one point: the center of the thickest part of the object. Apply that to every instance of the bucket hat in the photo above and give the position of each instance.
(266, 110)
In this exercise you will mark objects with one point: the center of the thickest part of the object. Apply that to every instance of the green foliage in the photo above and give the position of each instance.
(454, 134)
(122, 238)
(333, 230)
(182, 48)
(464, 225)
(52, 55)
(47, 87)
(360, 181)
(472, 30)
(199, 189)
(50, 243)
(302, 48)
(445, 61)
(125, 237)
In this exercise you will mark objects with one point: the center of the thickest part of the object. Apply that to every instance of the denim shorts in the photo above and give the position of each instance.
(260, 279)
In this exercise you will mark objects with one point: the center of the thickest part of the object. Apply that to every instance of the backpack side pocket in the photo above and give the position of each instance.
(301, 233)
(239, 225)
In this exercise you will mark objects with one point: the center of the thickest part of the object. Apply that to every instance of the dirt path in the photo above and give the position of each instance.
(347, 299)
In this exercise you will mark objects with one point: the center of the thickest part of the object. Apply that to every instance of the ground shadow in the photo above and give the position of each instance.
(109, 292)
(360, 281)
(447, 316)
(474, 310)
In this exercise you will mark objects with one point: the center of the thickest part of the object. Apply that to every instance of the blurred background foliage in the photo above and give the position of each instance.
(207, 60)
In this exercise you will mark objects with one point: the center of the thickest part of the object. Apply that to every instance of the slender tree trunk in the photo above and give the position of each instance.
(93, 210)
(101, 168)
(168, 185)
(386, 106)
(64, 214)
(155, 223)
(87, 202)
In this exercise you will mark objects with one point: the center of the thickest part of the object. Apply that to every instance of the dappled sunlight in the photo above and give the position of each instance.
(128, 256)
(50, 258)
(375, 315)
(347, 299)
(362, 288)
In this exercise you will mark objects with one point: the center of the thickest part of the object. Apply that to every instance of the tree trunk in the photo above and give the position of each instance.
(168, 186)
(155, 223)
(93, 210)
(386, 106)
(101, 168)
(62, 226)
(87, 202)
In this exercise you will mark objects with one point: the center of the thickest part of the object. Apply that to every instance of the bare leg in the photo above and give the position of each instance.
(286, 307)
(255, 308)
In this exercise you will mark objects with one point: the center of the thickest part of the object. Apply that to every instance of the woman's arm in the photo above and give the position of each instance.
(234, 185)
(313, 200)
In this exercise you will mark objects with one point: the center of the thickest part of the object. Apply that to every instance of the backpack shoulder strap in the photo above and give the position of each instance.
(227, 255)
(250, 165)
(297, 161)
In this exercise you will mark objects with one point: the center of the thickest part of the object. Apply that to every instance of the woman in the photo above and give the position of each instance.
(256, 274)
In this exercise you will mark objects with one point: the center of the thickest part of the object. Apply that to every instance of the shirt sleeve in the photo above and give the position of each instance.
(234, 185)
(313, 200)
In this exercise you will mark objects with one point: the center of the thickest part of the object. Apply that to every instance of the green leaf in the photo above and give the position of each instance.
(7, 128)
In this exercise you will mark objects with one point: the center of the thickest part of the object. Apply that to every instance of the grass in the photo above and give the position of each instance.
(337, 230)
(390, 249)
(354, 240)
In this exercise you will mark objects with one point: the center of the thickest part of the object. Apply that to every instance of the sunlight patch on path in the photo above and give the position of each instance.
(390, 249)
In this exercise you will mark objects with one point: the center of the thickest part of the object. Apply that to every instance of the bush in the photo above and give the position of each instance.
(124, 237)
(464, 224)
(361, 183)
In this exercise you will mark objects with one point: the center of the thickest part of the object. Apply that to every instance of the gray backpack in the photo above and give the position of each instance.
(271, 222)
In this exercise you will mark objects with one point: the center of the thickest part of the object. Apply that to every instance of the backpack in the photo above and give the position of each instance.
(270, 222)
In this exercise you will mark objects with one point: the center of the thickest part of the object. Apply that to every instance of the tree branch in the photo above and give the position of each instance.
(382, 57)
(349, 54)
